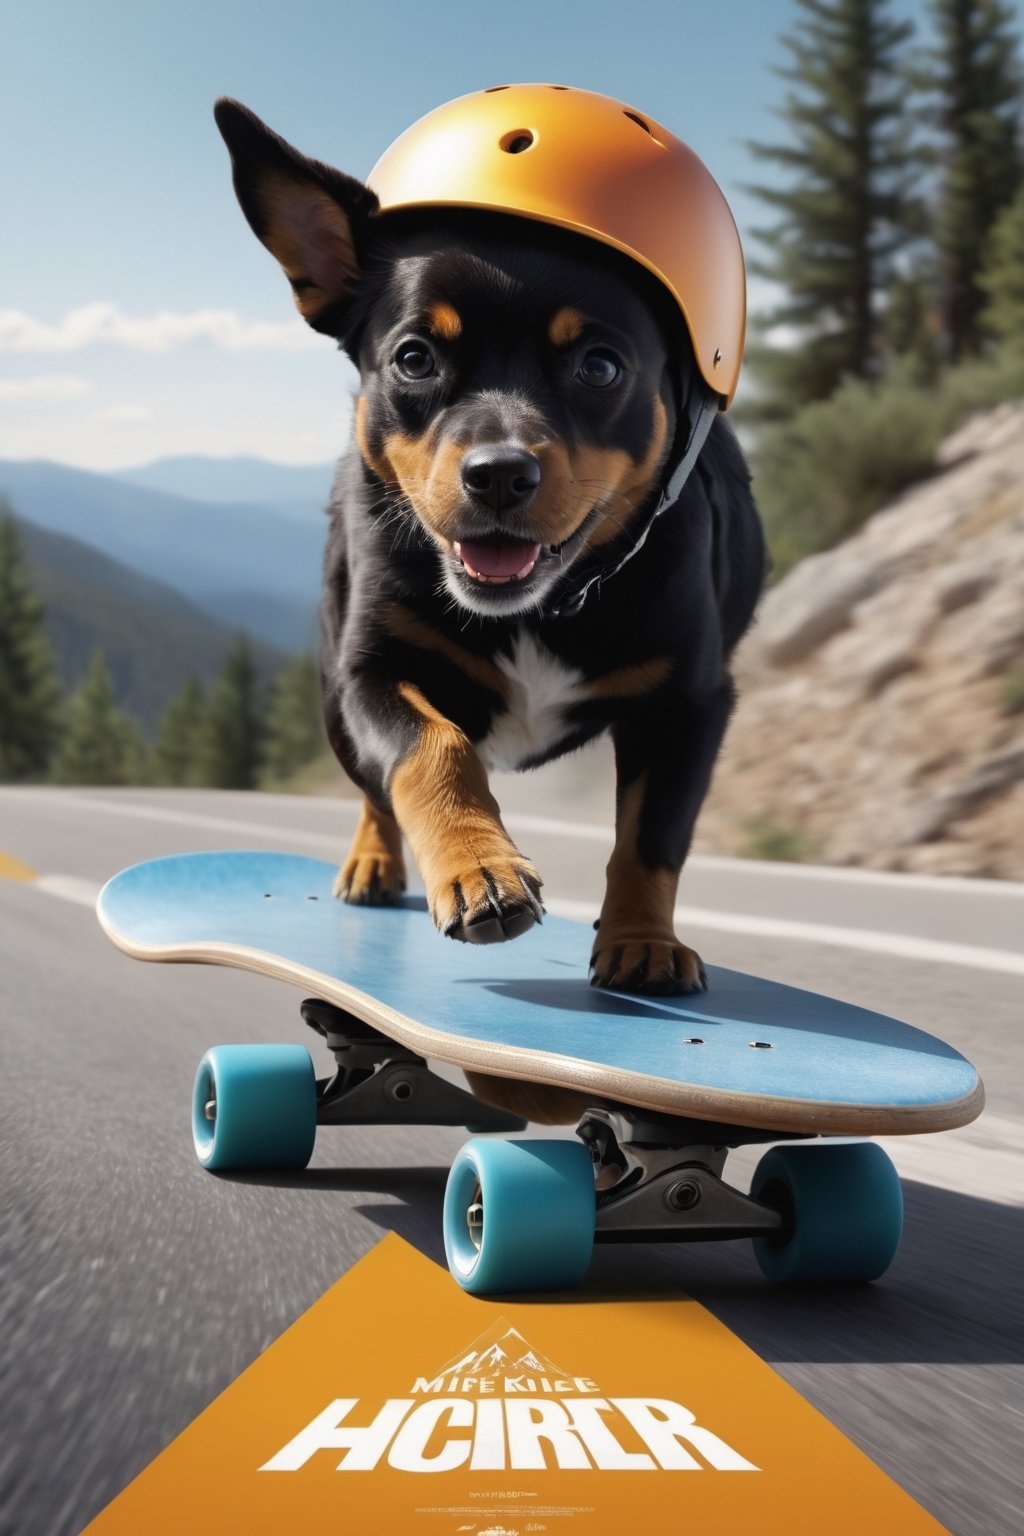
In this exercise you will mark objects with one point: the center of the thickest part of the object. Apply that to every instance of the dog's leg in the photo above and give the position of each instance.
(479, 886)
(664, 769)
(373, 875)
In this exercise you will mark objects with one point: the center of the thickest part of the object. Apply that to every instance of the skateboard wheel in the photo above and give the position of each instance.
(843, 1207)
(254, 1106)
(519, 1216)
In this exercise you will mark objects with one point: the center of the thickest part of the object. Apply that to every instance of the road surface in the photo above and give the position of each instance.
(134, 1287)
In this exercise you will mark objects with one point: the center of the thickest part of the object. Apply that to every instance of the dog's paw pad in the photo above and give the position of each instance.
(370, 881)
(654, 967)
(490, 905)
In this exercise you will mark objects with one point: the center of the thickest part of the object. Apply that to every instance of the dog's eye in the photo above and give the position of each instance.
(415, 360)
(599, 369)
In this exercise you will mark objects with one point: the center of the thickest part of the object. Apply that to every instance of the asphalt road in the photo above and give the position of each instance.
(134, 1287)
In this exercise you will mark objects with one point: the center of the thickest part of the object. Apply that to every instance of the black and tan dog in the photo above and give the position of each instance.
(520, 397)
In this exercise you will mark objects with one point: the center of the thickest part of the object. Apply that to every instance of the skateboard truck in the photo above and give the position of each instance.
(659, 1178)
(378, 1082)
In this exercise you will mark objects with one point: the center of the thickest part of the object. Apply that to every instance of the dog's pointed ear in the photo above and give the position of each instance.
(311, 217)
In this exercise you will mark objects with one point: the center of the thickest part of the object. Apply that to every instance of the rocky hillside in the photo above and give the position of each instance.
(881, 719)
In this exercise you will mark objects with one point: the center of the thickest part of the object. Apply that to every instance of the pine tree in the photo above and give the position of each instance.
(849, 207)
(295, 732)
(974, 78)
(1002, 277)
(102, 745)
(229, 744)
(177, 741)
(29, 691)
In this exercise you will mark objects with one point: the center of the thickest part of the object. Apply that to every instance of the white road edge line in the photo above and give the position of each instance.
(542, 825)
(906, 946)
(85, 892)
(873, 941)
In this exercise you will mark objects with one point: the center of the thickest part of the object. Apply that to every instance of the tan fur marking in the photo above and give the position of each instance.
(635, 481)
(405, 625)
(374, 871)
(380, 467)
(445, 321)
(635, 932)
(638, 900)
(429, 477)
(445, 808)
(565, 327)
(310, 236)
(571, 485)
(631, 682)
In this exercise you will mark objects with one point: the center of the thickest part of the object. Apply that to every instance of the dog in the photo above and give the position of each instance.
(496, 592)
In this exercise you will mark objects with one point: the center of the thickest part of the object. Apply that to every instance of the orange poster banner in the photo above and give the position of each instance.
(398, 1403)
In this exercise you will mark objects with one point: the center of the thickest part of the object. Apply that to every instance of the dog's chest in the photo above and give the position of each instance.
(540, 692)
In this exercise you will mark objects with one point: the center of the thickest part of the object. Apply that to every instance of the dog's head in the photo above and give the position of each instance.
(519, 384)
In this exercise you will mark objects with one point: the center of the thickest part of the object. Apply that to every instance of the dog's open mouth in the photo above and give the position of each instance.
(498, 561)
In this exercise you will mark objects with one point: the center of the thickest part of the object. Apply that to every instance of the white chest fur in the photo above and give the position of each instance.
(540, 691)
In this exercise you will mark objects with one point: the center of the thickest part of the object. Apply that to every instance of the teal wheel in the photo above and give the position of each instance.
(842, 1207)
(254, 1106)
(519, 1216)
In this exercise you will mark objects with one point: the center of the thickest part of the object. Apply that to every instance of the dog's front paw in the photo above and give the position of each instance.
(489, 903)
(370, 880)
(659, 967)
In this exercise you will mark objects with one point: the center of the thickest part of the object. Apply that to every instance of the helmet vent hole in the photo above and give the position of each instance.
(492, 88)
(634, 118)
(515, 142)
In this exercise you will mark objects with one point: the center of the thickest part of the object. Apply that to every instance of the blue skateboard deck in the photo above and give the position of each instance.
(747, 1052)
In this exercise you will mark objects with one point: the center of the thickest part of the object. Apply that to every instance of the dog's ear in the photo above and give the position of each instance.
(311, 217)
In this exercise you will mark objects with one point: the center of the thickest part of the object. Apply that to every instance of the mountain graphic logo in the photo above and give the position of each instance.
(499, 1352)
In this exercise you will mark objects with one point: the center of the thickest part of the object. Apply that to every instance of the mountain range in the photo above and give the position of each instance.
(252, 565)
(151, 636)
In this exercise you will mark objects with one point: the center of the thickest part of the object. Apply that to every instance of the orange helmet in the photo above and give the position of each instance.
(591, 164)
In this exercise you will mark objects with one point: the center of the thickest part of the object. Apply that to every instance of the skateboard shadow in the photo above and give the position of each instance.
(577, 996)
(952, 1296)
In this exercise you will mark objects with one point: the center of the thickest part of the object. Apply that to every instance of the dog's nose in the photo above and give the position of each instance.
(500, 475)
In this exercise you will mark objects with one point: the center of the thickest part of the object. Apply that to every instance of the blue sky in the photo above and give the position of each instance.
(138, 315)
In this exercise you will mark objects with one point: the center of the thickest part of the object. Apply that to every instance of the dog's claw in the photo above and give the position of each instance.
(654, 968)
(490, 906)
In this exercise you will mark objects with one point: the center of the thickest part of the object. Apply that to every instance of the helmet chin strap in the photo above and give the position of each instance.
(700, 426)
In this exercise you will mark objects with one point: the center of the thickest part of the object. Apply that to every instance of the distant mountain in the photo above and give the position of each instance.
(152, 637)
(203, 549)
(302, 488)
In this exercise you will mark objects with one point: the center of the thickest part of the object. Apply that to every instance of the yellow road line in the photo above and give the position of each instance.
(13, 869)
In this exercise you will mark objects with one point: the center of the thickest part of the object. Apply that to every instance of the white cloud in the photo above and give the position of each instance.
(127, 414)
(45, 389)
(161, 332)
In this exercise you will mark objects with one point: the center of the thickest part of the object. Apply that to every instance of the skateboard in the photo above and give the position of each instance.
(670, 1084)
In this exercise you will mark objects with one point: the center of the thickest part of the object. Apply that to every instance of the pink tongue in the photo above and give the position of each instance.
(498, 559)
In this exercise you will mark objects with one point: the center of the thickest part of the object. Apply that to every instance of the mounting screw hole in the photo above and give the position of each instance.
(760, 1045)
(694, 1040)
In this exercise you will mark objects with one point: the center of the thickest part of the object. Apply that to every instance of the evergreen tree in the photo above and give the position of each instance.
(229, 743)
(295, 732)
(1002, 277)
(974, 79)
(849, 206)
(102, 745)
(177, 741)
(29, 692)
